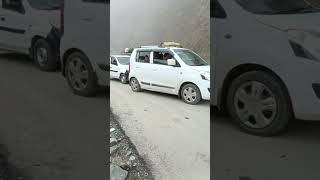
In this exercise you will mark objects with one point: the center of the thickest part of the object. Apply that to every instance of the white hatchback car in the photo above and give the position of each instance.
(119, 67)
(32, 27)
(171, 70)
(266, 57)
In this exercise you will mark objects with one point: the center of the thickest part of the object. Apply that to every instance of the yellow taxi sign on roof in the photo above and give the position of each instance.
(171, 44)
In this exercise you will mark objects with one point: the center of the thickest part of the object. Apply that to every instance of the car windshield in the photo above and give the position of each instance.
(46, 4)
(124, 60)
(190, 58)
(269, 7)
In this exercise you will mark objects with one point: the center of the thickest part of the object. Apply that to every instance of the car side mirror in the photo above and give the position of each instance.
(171, 62)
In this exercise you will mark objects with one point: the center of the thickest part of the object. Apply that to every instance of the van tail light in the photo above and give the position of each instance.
(129, 66)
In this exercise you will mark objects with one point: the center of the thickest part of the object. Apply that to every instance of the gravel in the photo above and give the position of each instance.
(125, 161)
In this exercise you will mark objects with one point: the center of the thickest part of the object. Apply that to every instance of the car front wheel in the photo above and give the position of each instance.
(190, 94)
(80, 75)
(259, 104)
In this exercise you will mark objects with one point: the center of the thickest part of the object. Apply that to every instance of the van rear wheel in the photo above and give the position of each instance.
(259, 103)
(44, 55)
(80, 75)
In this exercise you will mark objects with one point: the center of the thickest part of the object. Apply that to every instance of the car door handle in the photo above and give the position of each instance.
(2, 18)
(86, 19)
(228, 36)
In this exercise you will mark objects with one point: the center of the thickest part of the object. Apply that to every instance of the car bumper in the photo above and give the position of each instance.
(311, 102)
(303, 83)
(102, 73)
(205, 89)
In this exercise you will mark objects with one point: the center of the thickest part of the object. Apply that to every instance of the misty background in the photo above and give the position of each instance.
(149, 22)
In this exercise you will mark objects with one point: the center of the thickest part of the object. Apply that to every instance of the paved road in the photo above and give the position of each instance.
(294, 155)
(173, 137)
(50, 133)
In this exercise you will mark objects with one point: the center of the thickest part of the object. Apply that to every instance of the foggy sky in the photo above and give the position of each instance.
(149, 22)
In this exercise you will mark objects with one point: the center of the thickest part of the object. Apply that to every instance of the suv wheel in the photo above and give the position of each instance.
(259, 104)
(191, 94)
(135, 86)
(44, 56)
(80, 75)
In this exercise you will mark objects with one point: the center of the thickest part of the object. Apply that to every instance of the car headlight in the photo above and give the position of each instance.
(304, 44)
(205, 76)
(300, 51)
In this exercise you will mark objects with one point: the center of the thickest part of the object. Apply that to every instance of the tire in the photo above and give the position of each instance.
(258, 102)
(80, 75)
(44, 55)
(190, 94)
(123, 79)
(135, 86)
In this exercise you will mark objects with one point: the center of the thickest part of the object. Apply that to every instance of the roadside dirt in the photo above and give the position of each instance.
(123, 154)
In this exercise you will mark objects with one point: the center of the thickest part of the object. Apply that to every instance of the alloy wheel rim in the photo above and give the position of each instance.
(255, 105)
(78, 74)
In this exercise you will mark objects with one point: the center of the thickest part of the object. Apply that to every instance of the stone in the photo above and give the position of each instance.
(134, 164)
(128, 153)
(117, 173)
(114, 148)
(119, 161)
(132, 158)
(113, 141)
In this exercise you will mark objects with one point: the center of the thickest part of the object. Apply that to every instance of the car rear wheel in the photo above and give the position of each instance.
(259, 104)
(80, 75)
(135, 86)
(44, 55)
(190, 94)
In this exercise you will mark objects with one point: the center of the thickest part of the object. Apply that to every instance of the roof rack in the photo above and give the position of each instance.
(171, 44)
